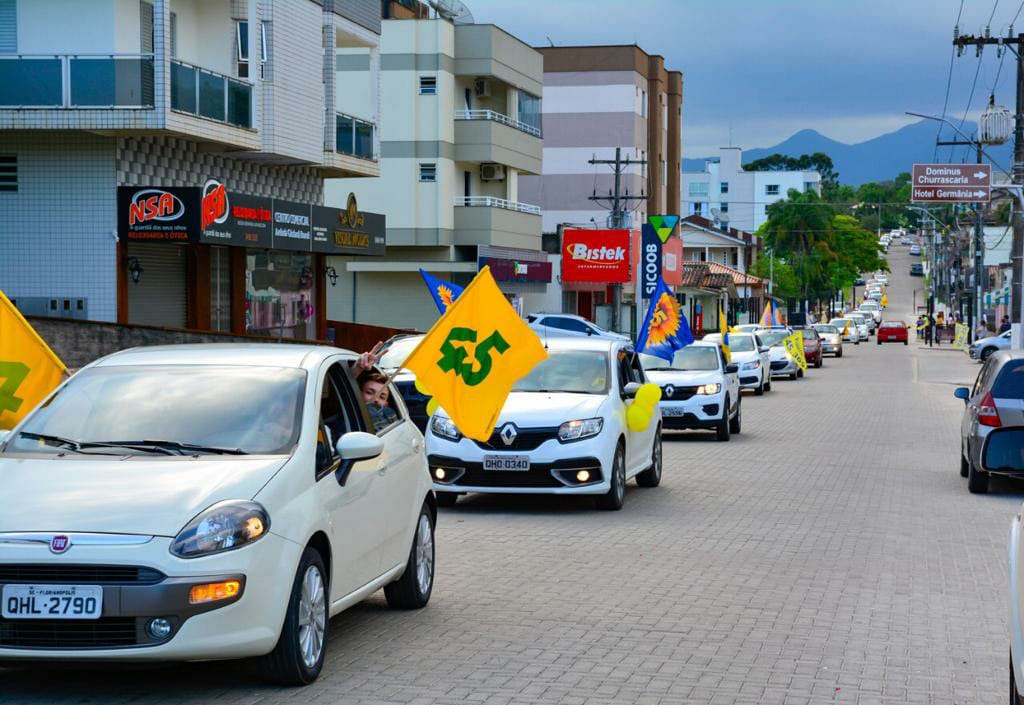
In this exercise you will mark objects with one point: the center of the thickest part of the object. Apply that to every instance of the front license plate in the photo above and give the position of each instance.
(517, 463)
(672, 411)
(52, 602)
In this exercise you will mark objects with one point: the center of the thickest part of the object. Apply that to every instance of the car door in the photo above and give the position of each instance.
(731, 380)
(765, 357)
(1008, 393)
(968, 422)
(639, 445)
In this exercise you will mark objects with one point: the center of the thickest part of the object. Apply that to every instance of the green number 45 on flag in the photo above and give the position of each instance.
(12, 374)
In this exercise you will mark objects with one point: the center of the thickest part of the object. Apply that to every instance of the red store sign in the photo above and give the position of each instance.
(598, 256)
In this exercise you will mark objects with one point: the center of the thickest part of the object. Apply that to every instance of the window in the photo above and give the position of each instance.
(771, 190)
(8, 173)
(570, 324)
(698, 188)
(174, 35)
(723, 207)
(428, 172)
(8, 27)
(264, 50)
(643, 103)
(725, 187)
(695, 207)
(529, 110)
(242, 48)
(428, 85)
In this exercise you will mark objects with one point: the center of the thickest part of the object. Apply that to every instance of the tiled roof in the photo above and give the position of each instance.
(738, 277)
(694, 274)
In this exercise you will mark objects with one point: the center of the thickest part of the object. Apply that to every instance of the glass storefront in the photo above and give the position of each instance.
(280, 294)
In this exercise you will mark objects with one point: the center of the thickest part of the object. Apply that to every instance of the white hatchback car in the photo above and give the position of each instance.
(699, 389)
(753, 359)
(206, 502)
(781, 362)
(562, 431)
(848, 328)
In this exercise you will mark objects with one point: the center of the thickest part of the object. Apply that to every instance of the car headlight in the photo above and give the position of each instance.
(751, 365)
(223, 527)
(713, 388)
(579, 429)
(443, 426)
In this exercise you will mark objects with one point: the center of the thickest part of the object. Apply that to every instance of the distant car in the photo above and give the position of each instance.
(862, 324)
(748, 327)
(782, 363)
(699, 389)
(874, 308)
(882, 279)
(915, 249)
(568, 324)
(859, 281)
(752, 357)
(831, 339)
(392, 357)
(812, 346)
(981, 349)
(917, 269)
(848, 329)
(996, 400)
(892, 332)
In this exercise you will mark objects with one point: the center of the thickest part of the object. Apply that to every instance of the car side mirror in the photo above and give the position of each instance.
(590, 331)
(630, 390)
(1003, 450)
(764, 349)
(353, 446)
(732, 368)
(962, 393)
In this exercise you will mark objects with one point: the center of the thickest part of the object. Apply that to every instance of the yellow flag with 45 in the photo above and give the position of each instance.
(29, 370)
(795, 347)
(472, 356)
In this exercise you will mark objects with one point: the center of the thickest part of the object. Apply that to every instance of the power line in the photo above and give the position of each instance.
(949, 82)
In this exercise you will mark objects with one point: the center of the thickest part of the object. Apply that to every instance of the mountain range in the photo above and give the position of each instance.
(877, 159)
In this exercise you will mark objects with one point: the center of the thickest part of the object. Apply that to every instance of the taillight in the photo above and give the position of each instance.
(988, 414)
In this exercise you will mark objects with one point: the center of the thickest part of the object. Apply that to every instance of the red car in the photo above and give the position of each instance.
(892, 332)
(812, 346)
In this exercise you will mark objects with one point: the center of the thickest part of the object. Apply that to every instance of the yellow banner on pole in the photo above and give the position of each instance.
(795, 347)
(960, 341)
(29, 370)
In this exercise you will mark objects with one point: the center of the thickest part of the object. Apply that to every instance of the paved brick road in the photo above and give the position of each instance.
(830, 553)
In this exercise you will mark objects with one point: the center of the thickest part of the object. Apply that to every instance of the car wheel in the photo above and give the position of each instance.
(446, 499)
(651, 477)
(760, 389)
(613, 499)
(820, 362)
(839, 354)
(768, 383)
(879, 342)
(298, 657)
(792, 375)
(905, 342)
(857, 341)
(412, 590)
(977, 481)
(800, 374)
(735, 424)
(986, 353)
(722, 429)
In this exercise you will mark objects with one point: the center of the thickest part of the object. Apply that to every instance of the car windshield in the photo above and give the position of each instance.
(741, 343)
(692, 358)
(773, 337)
(826, 328)
(809, 333)
(397, 352)
(891, 324)
(255, 410)
(838, 323)
(869, 307)
(576, 371)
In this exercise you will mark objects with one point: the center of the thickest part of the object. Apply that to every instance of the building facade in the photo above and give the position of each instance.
(460, 127)
(725, 193)
(164, 160)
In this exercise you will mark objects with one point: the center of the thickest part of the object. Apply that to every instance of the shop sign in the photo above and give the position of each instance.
(600, 256)
(292, 226)
(234, 219)
(347, 232)
(650, 260)
(512, 270)
(157, 214)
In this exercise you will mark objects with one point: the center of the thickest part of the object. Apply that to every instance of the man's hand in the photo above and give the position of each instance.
(368, 359)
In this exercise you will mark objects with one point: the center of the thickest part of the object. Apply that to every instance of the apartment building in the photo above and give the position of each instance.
(162, 161)
(725, 193)
(460, 127)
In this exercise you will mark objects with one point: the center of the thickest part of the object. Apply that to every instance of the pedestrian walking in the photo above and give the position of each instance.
(930, 330)
(919, 327)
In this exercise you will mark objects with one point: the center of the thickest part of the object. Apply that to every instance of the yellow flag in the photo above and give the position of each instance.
(724, 329)
(885, 300)
(28, 368)
(795, 347)
(474, 354)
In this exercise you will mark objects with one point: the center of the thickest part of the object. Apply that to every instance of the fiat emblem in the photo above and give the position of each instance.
(60, 543)
(508, 434)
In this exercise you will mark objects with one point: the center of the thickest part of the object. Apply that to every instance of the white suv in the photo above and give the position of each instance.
(699, 389)
(568, 324)
(562, 431)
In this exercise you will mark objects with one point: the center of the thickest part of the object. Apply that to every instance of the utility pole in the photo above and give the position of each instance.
(1014, 43)
(619, 204)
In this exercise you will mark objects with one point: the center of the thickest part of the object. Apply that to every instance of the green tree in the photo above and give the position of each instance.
(798, 230)
(784, 280)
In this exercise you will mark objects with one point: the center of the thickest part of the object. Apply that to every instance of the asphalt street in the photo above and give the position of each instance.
(829, 553)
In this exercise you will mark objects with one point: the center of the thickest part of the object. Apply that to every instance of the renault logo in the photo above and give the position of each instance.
(508, 434)
(669, 390)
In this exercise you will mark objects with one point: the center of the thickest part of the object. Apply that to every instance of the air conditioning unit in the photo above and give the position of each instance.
(482, 88)
(492, 172)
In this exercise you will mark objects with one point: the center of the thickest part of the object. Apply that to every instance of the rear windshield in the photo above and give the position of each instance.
(1010, 382)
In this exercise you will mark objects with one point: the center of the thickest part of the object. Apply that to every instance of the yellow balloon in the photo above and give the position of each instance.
(432, 407)
(638, 418)
(421, 389)
(648, 395)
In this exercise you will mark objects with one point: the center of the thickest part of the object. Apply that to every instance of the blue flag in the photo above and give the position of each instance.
(665, 329)
(444, 293)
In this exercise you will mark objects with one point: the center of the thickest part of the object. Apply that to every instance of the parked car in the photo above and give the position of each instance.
(915, 250)
(862, 325)
(848, 329)
(562, 431)
(782, 363)
(916, 269)
(882, 279)
(812, 346)
(699, 389)
(268, 505)
(1003, 454)
(981, 349)
(996, 400)
(753, 358)
(831, 339)
(569, 324)
(859, 281)
(394, 353)
(892, 332)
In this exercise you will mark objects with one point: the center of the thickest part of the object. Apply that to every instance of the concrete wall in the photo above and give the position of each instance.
(83, 27)
(206, 36)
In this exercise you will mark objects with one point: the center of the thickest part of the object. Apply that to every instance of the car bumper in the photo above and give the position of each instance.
(883, 338)
(246, 625)
(699, 411)
(750, 379)
(829, 349)
(783, 367)
(973, 353)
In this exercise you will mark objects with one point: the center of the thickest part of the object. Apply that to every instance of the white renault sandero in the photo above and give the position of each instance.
(562, 431)
(753, 359)
(208, 502)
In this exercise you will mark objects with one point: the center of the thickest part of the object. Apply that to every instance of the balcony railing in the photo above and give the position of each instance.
(492, 202)
(204, 93)
(497, 117)
(354, 137)
(76, 81)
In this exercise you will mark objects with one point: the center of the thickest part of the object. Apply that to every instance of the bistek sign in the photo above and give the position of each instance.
(598, 256)
(951, 183)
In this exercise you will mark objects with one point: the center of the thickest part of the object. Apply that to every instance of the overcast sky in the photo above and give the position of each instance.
(768, 68)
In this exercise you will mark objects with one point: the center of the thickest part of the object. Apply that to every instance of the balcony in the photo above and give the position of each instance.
(76, 81)
(497, 117)
(489, 136)
(486, 220)
(354, 137)
(207, 94)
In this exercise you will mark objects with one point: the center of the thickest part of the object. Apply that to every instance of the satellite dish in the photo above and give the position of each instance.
(714, 214)
(724, 217)
(453, 10)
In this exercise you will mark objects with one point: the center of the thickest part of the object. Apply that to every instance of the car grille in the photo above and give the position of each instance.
(478, 477)
(526, 439)
(69, 633)
(779, 364)
(678, 393)
(78, 574)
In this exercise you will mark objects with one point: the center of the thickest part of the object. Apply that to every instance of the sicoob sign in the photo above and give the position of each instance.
(599, 256)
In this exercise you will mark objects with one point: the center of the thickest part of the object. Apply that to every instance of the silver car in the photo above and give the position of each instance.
(981, 349)
(995, 400)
